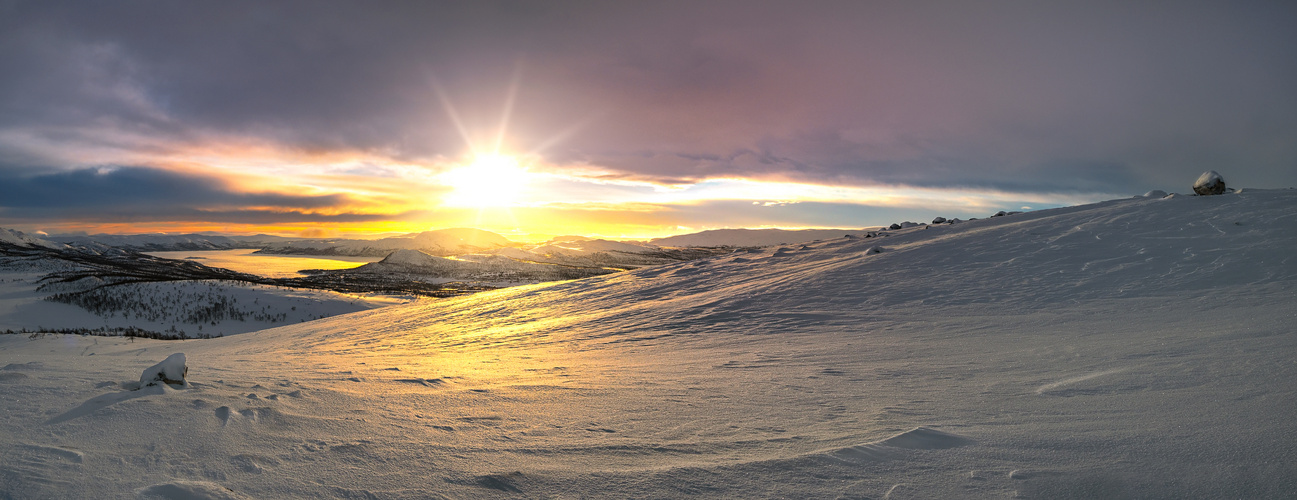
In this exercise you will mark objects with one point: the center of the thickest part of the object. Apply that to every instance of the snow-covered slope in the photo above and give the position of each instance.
(752, 237)
(1135, 348)
(19, 238)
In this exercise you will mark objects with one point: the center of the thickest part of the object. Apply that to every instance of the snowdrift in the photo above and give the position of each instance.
(1130, 348)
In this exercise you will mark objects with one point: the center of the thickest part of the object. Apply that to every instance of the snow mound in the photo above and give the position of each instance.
(924, 438)
(170, 371)
(1156, 193)
(919, 438)
(187, 490)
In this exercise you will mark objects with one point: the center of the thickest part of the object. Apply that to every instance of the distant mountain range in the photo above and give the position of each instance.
(442, 242)
(446, 243)
(160, 242)
(753, 237)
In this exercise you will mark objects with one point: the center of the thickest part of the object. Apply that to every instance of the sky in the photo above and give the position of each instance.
(625, 119)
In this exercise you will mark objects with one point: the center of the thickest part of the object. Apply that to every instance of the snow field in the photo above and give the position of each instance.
(1127, 349)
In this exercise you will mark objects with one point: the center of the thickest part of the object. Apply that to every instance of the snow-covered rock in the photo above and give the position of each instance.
(1209, 183)
(939, 220)
(170, 371)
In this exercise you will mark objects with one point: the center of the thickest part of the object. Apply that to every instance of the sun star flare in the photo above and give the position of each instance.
(492, 180)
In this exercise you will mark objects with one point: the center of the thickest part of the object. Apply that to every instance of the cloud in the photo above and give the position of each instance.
(132, 193)
(1041, 97)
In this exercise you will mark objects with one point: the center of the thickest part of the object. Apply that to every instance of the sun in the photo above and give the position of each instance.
(491, 180)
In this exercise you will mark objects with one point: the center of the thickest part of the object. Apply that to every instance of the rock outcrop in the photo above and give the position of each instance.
(1209, 183)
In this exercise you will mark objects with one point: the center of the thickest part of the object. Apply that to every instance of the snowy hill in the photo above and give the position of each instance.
(19, 238)
(752, 237)
(1133, 348)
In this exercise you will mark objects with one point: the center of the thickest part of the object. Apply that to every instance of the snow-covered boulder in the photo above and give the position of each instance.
(1209, 183)
(939, 220)
(170, 371)
(894, 226)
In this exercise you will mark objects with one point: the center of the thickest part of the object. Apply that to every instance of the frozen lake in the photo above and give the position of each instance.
(270, 266)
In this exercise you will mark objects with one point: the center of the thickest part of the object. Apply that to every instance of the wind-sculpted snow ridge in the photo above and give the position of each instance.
(1127, 349)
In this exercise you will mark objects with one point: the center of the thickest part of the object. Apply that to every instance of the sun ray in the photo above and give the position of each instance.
(509, 100)
(454, 116)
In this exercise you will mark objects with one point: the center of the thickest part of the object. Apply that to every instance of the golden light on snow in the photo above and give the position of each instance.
(492, 180)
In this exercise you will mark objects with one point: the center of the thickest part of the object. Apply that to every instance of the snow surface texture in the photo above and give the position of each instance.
(1137, 348)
